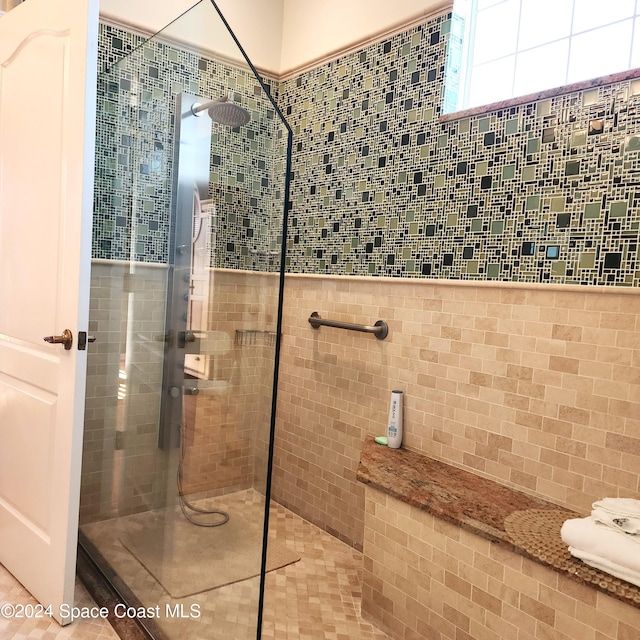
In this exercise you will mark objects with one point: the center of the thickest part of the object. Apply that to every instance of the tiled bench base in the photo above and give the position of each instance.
(453, 576)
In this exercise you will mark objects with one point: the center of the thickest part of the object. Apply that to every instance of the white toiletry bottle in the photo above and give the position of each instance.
(394, 426)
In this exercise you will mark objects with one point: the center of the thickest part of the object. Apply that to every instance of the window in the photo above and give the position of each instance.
(501, 49)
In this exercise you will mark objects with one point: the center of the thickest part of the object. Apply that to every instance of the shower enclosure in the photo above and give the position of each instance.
(189, 225)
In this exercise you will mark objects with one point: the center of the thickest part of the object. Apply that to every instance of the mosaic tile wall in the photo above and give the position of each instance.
(545, 192)
(134, 136)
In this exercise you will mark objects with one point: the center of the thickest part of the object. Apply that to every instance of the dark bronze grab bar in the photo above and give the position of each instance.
(380, 328)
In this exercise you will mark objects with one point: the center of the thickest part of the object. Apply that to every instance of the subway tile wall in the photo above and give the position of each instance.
(227, 425)
(426, 578)
(534, 386)
(123, 471)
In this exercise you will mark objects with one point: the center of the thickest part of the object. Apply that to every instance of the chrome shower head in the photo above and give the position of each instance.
(227, 112)
(223, 111)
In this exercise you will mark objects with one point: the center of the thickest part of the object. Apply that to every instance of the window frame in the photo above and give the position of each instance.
(461, 28)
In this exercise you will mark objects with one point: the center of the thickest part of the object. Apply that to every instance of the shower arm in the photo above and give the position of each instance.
(198, 107)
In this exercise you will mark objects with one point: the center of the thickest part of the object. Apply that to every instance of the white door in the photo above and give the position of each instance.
(48, 59)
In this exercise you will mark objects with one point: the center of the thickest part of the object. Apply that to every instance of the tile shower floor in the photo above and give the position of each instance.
(317, 597)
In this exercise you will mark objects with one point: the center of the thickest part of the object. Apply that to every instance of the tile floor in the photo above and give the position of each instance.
(12, 592)
(316, 598)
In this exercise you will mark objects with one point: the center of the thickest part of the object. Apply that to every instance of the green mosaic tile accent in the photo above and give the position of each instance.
(532, 203)
(533, 193)
(592, 210)
(511, 126)
(587, 260)
(493, 271)
(618, 209)
(133, 179)
(509, 172)
(369, 148)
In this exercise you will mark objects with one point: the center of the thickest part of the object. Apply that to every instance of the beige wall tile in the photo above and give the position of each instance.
(540, 374)
(226, 434)
(519, 600)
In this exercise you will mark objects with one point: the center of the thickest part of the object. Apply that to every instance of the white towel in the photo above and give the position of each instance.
(602, 542)
(624, 573)
(617, 522)
(618, 513)
(623, 506)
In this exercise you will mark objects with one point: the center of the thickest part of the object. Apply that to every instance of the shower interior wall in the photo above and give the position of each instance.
(504, 247)
(227, 431)
(512, 373)
(474, 230)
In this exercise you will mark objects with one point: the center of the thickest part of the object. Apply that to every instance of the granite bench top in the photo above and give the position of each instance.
(527, 525)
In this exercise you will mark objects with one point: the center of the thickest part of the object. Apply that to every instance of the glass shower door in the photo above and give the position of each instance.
(192, 156)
